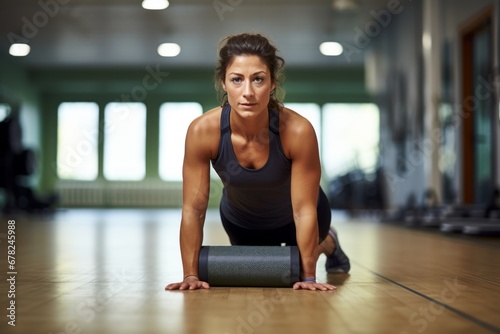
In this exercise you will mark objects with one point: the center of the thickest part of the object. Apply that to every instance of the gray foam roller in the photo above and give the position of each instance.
(263, 266)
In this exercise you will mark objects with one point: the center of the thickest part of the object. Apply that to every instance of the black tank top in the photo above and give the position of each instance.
(254, 198)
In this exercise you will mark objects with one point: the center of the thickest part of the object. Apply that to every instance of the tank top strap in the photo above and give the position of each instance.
(224, 119)
(274, 121)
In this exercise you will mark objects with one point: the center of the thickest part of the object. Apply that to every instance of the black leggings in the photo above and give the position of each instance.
(275, 237)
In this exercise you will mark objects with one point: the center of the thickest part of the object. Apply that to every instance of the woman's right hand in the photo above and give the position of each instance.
(189, 283)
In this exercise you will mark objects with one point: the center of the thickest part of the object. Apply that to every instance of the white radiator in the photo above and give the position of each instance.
(119, 194)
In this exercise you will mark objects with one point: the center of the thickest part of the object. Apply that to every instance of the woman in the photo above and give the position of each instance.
(267, 158)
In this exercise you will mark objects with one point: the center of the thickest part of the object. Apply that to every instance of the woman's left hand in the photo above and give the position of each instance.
(313, 286)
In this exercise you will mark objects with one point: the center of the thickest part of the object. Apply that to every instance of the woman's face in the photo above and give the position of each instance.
(248, 85)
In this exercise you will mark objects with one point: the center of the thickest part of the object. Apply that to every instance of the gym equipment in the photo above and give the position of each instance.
(475, 219)
(17, 166)
(25, 162)
(257, 266)
(10, 135)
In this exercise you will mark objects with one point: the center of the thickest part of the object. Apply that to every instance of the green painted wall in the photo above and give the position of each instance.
(154, 85)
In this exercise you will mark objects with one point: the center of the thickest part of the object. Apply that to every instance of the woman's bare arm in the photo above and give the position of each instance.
(302, 147)
(196, 187)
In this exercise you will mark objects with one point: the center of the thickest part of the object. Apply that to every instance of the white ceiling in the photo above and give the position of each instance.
(120, 33)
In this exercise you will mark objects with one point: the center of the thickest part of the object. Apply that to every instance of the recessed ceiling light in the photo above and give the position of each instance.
(169, 49)
(342, 5)
(331, 49)
(19, 49)
(155, 4)
(426, 41)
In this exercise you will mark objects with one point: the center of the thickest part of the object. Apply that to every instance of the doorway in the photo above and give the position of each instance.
(478, 111)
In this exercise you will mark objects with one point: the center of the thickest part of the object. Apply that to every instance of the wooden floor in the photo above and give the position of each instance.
(103, 271)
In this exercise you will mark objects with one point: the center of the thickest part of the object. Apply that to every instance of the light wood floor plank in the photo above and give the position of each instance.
(103, 271)
(461, 273)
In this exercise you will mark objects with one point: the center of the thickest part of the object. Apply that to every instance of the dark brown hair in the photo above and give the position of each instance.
(250, 44)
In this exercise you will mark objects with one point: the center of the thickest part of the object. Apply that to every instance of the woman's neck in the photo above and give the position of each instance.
(251, 127)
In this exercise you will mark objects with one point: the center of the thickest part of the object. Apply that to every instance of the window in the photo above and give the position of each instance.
(77, 140)
(312, 112)
(174, 122)
(350, 137)
(125, 141)
(4, 111)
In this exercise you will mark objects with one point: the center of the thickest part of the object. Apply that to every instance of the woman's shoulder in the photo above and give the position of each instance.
(204, 133)
(293, 123)
(296, 133)
(208, 122)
